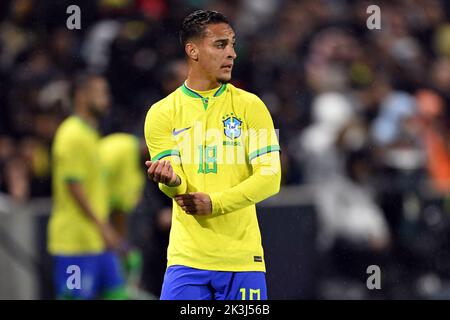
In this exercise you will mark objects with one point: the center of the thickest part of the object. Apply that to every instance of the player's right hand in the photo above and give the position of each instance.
(162, 172)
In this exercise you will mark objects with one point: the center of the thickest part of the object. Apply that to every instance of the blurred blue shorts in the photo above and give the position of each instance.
(87, 276)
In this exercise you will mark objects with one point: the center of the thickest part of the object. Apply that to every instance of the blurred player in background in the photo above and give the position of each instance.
(79, 233)
(215, 152)
(120, 155)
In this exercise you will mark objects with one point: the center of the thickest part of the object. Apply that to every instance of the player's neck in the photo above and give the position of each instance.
(86, 117)
(201, 84)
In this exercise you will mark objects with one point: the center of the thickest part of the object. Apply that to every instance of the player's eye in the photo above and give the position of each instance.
(221, 44)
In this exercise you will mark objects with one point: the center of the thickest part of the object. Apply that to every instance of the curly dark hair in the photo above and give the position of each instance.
(195, 23)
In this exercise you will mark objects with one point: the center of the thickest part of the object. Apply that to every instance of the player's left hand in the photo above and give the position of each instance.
(197, 203)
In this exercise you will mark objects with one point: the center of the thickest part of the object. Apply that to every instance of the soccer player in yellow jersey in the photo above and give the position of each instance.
(120, 154)
(79, 235)
(215, 152)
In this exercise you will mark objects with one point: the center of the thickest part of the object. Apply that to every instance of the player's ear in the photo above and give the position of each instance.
(191, 50)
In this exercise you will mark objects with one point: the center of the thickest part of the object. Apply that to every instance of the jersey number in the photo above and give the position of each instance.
(254, 293)
(208, 159)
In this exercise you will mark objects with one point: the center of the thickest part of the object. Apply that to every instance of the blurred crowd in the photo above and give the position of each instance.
(363, 115)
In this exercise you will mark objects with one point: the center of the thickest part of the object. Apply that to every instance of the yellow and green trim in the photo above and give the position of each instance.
(262, 151)
(191, 93)
(70, 179)
(166, 153)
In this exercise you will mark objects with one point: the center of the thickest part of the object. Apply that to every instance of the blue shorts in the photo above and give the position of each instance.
(87, 276)
(185, 283)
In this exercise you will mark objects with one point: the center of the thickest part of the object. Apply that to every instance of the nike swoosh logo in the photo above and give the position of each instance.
(176, 132)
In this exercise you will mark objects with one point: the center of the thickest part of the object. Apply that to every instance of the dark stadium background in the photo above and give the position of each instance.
(363, 119)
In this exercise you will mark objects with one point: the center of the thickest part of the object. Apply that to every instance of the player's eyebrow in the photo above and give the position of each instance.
(225, 40)
(221, 40)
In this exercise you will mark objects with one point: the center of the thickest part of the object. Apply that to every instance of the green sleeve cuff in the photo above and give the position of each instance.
(73, 179)
(166, 153)
(262, 151)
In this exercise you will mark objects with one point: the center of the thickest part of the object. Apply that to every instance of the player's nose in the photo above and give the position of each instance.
(232, 53)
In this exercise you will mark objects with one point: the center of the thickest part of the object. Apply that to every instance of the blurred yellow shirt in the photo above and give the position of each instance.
(75, 157)
(221, 142)
(125, 176)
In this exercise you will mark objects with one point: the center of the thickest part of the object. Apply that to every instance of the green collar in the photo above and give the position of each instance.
(193, 94)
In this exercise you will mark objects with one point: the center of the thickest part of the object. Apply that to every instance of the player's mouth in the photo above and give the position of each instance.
(227, 67)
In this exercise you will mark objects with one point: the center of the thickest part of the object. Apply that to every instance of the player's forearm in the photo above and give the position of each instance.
(264, 182)
(78, 194)
(174, 190)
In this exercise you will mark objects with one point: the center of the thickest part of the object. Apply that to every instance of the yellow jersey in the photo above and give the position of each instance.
(221, 142)
(75, 157)
(125, 176)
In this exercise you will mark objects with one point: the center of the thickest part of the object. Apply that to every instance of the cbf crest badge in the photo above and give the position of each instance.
(232, 126)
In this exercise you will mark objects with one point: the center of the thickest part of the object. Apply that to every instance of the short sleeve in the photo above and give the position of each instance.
(71, 159)
(158, 135)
